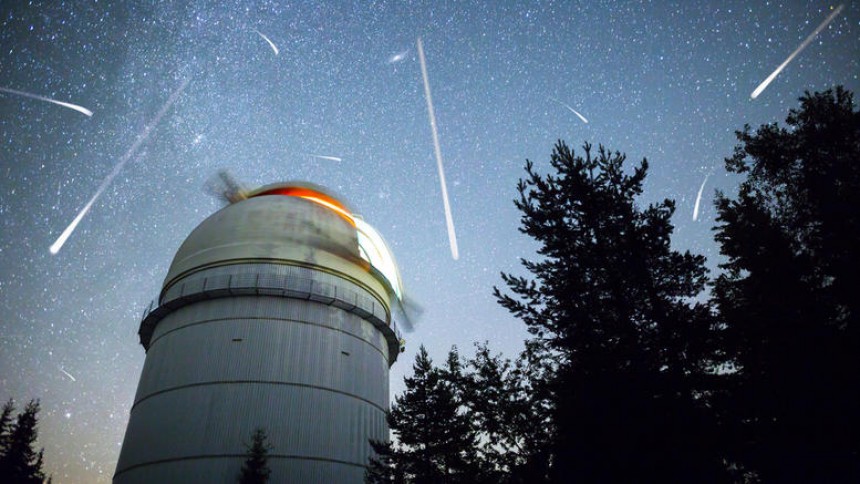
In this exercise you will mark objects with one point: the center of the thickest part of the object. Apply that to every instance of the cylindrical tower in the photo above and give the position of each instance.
(275, 313)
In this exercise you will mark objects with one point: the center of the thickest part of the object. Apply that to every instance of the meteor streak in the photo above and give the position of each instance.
(68, 375)
(761, 87)
(324, 157)
(271, 44)
(574, 111)
(452, 235)
(56, 246)
(699, 199)
(77, 108)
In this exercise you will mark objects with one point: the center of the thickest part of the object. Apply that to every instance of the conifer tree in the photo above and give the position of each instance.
(384, 466)
(435, 440)
(510, 413)
(609, 305)
(19, 462)
(789, 293)
(256, 469)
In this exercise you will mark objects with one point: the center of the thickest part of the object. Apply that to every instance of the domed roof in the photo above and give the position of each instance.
(292, 223)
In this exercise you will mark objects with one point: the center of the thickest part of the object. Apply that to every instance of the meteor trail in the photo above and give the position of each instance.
(574, 111)
(77, 108)
(761, 87)
(699, 199)
(324, 157)
(68, 374)
(452, 235)
(271, 44)
(56, 246)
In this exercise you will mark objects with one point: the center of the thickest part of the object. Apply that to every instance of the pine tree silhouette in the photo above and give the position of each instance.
(789, 294)
(256, 470)
(608, 303)
(19, 462)
(510, 412)
(435, 438)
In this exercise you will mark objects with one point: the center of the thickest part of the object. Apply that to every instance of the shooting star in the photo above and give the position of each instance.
(271, 44)
(77, 108)
(452, 235)
(574, 111)
(68, 375)
(397, 57)
(56, 246)
(761, 87)
(324, 157)
(699, 199)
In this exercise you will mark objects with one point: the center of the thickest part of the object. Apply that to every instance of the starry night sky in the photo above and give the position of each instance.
(669, 81)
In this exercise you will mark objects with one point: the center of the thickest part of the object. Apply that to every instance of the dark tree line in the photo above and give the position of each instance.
(635, 372)
(466, 422)
(20, 463)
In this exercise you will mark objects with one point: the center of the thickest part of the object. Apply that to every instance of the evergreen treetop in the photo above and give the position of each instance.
(597, 247)
(609, 301)
(435, 436)
(256, 469)
(19, 461)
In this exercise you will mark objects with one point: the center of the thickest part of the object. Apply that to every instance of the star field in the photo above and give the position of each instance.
(667, 81)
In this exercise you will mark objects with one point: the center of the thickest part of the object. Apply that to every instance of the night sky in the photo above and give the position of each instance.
(670, 82)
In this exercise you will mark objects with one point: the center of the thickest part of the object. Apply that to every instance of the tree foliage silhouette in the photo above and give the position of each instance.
(608, 303)
(19, 461)
(435, 439)
(789, 294)
(256, 469)
(487, 408)
(511, 415)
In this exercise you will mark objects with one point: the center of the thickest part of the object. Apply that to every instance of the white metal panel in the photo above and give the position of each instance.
(302, 422)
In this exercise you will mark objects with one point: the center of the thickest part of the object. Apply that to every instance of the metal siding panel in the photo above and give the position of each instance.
(207, 471)
(316, 376)
(249, 306)
(299, 421)
(268, 351)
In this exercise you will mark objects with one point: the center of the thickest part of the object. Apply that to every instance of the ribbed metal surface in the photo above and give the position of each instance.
(302, 422)
(214, 470)
(313, 374)
(261, 338)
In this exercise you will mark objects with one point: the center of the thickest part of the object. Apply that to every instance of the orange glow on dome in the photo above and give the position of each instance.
(313, 196)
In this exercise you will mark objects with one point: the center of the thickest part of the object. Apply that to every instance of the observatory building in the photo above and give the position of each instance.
(276, 313)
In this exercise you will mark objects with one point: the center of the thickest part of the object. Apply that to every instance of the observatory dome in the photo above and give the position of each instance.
(276, 312)
(292, 223)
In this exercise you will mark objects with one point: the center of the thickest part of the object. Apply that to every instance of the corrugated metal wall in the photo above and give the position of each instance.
(314, 376)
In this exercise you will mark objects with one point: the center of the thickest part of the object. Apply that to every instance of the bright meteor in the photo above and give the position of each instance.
(574, 111)
(56, 246)
(77, 108)
(324, 157)
(452, 235)
(761, 87)
(271, 44)
(699, 199)
(68, 374)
